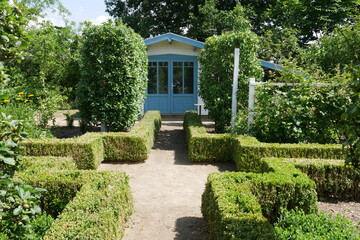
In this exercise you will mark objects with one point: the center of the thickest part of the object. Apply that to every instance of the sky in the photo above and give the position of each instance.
(82, 10)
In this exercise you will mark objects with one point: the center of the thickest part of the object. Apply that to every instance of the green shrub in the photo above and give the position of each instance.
(203, 146)
(216, 73)
(296, 225)
(113, 80)
(87, 152)
(98, 211)
(300, 113)
(243, 205)
(333, 178)
(134, 145)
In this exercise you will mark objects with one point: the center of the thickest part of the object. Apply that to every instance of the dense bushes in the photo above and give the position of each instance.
(113, 75)
(296, 225)
(216, 73)
(300, 114)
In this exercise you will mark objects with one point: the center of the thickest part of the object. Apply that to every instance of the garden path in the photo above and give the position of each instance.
(167, 189)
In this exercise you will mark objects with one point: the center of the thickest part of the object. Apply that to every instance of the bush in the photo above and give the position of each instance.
(113, 80)
(333, 178)
(296, 225)
(203, 146)
(216, 73)
(243, 205)
(298, 114)
(98, 211)
(134, 145)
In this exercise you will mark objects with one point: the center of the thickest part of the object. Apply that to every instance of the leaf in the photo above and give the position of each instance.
(9, 161)
(18, 210)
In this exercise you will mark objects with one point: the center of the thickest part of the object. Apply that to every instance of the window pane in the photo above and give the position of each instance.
(152, 80)
(163, 80)
(177, 80)
(189, 80)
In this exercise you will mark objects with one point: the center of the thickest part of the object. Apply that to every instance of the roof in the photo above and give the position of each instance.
(172, 36)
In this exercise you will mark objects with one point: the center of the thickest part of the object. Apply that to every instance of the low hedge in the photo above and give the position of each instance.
(89, 150)
(333, 178)
(243, 205)
(87, 204)
(203, 146)
(134, 145)
(98, 211)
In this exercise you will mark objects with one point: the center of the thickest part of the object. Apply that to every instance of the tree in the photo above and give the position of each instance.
(113, 75)
(336, 49)
(149, 18)
(13, 40)
(52, 60)
(217, 70)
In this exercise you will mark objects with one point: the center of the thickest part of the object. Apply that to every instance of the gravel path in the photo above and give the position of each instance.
(167, 189)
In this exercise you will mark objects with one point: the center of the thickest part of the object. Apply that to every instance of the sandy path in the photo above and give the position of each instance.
(167, 189)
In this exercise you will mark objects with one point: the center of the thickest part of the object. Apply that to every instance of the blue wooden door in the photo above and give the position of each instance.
(172, 86)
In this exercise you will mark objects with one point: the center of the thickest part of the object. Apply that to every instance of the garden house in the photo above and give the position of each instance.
(173, 73)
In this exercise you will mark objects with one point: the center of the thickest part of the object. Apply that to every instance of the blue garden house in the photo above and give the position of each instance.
(173, 73)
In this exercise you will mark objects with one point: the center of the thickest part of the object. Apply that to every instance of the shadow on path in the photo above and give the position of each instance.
(187, 228)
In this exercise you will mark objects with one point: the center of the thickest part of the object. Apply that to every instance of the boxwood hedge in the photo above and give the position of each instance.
(89, 150)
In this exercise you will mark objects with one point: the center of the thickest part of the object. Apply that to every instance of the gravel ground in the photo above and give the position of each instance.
(350, 210)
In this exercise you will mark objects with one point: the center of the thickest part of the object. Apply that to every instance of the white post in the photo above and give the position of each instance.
(251, 101)
(235, 87)
(103, 127)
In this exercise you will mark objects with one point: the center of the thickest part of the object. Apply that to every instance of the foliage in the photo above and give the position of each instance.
(52, 62)
(333, 178)
(239, 205)
(304, 113)
(337, 49)
(216, 74)
(114, 75)
(300, 226)
(13, 40)
(30, 108)
(351, 117)
(19, 203)
(155, 17)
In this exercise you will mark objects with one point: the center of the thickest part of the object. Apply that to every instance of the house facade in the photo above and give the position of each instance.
(174, 74)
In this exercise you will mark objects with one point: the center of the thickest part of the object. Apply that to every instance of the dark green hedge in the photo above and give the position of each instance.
(89, 150)
(332, 177)
(243, 205)
(87, 204)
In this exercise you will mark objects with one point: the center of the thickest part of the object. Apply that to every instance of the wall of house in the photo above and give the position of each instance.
(174, 47)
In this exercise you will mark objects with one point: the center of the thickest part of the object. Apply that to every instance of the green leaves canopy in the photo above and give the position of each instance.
(113, 75)
(217, 64)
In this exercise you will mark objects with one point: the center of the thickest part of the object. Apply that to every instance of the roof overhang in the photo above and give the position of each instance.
(169, 37)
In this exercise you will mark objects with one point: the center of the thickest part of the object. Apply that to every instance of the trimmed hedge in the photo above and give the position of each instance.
(243, 205)
(89, 150)
(134, 145)
(99, 210)
(332, 177)
(203, 146)
(87, 204)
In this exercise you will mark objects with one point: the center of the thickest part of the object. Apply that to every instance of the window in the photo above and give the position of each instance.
(183, 80)
(158, 77)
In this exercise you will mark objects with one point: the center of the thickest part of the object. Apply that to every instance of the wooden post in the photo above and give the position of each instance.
(235, 88)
